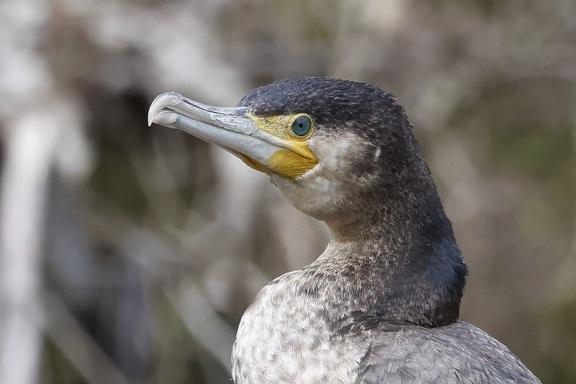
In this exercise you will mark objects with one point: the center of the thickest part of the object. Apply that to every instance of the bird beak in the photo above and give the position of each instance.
(229, 128)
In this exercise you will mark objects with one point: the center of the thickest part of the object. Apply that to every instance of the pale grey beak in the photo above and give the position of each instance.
(230, 128)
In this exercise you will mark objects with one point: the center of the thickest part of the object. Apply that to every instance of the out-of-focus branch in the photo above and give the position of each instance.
(80, 349)
(30, 147)
(203, 322)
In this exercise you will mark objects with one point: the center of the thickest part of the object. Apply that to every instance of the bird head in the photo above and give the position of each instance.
(327, 144)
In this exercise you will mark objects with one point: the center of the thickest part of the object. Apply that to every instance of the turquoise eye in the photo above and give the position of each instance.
(302, 125)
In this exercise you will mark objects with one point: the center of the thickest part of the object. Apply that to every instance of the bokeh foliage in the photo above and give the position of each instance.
(154, 243)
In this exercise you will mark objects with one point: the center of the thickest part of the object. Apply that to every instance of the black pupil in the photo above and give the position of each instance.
(301, 126)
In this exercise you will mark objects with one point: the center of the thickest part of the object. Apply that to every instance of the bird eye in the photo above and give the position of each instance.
(302, 125)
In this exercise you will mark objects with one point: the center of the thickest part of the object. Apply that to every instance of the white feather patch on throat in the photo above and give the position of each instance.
(323, 188)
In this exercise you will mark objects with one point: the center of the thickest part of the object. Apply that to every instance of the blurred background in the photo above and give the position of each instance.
(128, 253)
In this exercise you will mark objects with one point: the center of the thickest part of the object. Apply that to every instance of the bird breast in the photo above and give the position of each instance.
(283, 338)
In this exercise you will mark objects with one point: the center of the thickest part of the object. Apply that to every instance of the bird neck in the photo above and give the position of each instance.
(398, 258)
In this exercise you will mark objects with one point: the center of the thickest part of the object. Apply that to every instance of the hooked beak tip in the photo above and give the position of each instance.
(160, 108)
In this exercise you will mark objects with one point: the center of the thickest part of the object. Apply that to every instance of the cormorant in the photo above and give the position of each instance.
(381, 304)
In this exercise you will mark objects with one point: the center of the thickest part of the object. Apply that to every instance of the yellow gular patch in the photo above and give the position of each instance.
(290, 164)
(296, 159)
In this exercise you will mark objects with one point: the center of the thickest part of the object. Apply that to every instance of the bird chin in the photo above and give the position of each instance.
(310, 193)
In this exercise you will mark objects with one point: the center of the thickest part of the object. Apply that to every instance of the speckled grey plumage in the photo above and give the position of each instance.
(381, 304)
(302, 329)
(456, 353)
